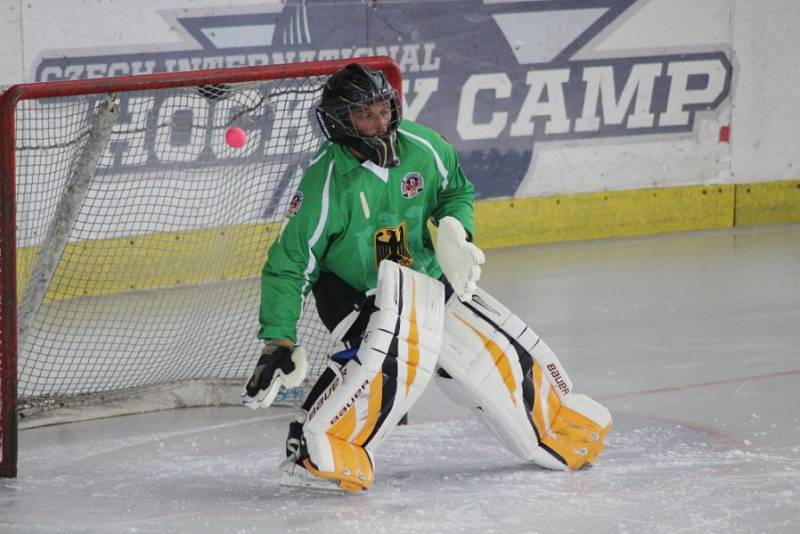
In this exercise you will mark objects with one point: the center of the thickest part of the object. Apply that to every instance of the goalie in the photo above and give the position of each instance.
(401, 311)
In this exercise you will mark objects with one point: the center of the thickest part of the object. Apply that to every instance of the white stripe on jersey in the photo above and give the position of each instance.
(364, 205)
(323, 219)
(439, 164)
(319, 157)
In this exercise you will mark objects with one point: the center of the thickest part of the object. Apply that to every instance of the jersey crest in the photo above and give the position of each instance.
(411, 185)
(294, 204)
(391, 244)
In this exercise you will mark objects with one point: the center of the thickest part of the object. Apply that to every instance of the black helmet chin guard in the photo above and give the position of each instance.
(352, 89)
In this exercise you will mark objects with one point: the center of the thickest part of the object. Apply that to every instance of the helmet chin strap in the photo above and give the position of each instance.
(381, 151)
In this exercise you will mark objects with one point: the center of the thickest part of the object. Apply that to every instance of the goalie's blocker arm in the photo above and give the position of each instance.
(281, 364)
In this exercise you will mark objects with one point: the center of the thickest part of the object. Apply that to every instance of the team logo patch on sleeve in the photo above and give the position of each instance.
(411, 185)
(294, 204)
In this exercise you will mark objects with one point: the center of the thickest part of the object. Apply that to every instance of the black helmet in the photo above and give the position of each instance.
(352, 89)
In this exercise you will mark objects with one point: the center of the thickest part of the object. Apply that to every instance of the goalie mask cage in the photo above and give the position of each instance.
(133, 236)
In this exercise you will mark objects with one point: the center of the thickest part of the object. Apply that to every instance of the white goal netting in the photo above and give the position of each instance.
(141, 234)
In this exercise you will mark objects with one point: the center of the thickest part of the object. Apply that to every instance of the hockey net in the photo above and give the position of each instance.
(133, 235)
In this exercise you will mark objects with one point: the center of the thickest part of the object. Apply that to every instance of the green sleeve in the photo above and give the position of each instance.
(292, 266)
(457, 198)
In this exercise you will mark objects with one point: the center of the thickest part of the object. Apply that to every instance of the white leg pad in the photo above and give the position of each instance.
(392, 367)
(512, 380)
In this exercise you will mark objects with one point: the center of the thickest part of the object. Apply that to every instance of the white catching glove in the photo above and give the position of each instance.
(278, 366)
(460, 260)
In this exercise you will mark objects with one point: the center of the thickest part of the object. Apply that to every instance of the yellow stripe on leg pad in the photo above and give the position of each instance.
(373, 409)
(344, 427)
(413, 340)
(500, 358)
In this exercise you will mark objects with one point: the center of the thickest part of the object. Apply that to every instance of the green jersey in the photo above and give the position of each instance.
(348, 216)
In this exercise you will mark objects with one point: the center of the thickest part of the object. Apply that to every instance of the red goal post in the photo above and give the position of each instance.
(131, 235)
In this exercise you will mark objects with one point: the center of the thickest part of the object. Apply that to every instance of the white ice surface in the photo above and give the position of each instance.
(691, 340)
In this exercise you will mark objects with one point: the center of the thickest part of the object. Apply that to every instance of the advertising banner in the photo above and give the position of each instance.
(498, 79)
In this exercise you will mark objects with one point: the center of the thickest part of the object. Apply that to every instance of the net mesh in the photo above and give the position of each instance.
(159, 279)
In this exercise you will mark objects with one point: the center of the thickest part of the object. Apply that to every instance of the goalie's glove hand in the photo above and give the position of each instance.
(459, 259)
(278, 366)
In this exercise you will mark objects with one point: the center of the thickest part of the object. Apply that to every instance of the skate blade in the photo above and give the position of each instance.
(301, 478)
